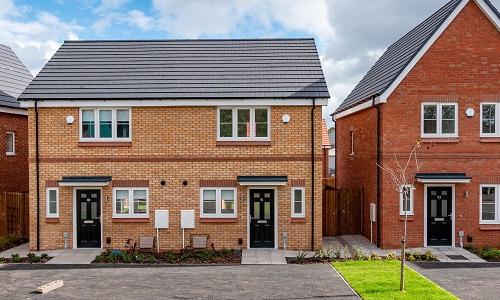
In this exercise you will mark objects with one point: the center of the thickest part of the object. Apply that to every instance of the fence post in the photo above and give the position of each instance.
(3, 213)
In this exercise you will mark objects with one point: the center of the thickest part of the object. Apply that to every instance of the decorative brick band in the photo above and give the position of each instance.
(439, 98)
(173, 159)
(239, 143)
(298, 182)
(130, 220)
(218, 220)
(298, 220)
(489, 140)
(52, 220)
(130, 183)
(489, 227)
(490, 98)
(12, 128)
(218, 183)
(104, 144)
(51, 183)
(489, 180)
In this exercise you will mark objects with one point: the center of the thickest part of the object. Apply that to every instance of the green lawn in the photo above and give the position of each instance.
(379, 279)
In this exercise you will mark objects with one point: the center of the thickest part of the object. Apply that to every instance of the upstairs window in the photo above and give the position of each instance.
(439, 120)
(489, 122)
(243, 124)
(105, 124)
(10, 143)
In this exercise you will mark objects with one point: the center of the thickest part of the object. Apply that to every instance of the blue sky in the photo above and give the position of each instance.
(350, 34)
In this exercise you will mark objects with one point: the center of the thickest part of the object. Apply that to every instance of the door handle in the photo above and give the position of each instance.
(451, 216)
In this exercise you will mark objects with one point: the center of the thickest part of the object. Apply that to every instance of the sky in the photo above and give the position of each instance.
(350, 34)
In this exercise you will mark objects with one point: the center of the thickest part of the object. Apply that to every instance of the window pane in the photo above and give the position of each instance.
(261, 126)
(93, 210)
(10, 143)
(209, 202)
(430, 112)
(88, 127)
(227, 201)
(140, 202)
(488, 125)
(105, 124)
(53, 202)
(406, 199)
(226, 123)
(122, 203)
(430, 126)
(122, 123)
(297, 201)
(83, 210)
(488, 203)
(243, 122)
(256, 210)
(444, 208)
(433, 208)
(448, 119)
(267, 210)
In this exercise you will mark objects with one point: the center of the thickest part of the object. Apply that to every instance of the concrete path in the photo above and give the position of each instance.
(263, 257)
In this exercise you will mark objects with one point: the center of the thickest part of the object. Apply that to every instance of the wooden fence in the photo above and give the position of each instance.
(14, 214)
(342, 211)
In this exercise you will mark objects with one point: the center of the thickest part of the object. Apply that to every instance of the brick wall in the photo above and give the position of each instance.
(176, 144)
(461, 66)
(14, 169)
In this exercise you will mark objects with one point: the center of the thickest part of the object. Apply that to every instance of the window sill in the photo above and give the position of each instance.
(441, 140)
(489, 140)
(409, 218)
(218, 220)
(243, 143)
(130, 220)
(10, 154)
(298, 220)
(104, 144)
(489, 227)
(51, 220)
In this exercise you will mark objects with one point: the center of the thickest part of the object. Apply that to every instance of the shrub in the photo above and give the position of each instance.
(16, 258)
(44, 255)
(31, 255)
(391, 256)
(491, 254)
(99, 258)
(111, 257)
(3, 242)
(301, 255)
(224, 251)
(170, 256)
(470, 247)
(152, 260)
(126, 257)
(205, 255)
(185, 256)
(35, 259)
(1, 259)
(358, 252)
(140, 258)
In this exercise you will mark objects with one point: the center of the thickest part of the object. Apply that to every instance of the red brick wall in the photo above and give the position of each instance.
(14, 169)
(461, 66)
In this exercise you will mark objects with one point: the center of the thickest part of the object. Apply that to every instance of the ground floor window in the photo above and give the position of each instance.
(489, 204)
(52, 203)
(130, 203)
(218, 203)
(406, 200)
(298, 202)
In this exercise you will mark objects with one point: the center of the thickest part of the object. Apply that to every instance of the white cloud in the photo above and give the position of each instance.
(72, 36)
(106, 6)
(139, 19)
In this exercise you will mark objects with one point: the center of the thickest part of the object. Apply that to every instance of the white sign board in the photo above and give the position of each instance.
(187, 219)
(161, 218)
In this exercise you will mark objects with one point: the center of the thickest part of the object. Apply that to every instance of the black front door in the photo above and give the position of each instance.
(261, 218)
(88, 214)
(439, 216)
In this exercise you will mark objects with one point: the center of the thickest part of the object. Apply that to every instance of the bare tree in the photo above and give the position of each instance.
(403, 183)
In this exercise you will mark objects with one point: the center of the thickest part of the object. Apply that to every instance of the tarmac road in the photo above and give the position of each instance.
(175, 282)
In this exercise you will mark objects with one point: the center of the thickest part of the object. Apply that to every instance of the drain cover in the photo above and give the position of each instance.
(457, 257)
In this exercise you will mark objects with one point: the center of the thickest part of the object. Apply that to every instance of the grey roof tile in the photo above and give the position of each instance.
(180, 69)
(396, 58)
(14, 77)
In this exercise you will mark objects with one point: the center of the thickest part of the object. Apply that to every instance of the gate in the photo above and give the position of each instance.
(342, 211)
(14, 214)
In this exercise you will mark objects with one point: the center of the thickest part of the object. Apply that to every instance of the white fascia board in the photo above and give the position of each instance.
(492, 16)
(385, 95)
(267, 183)
(443, 180)
(180, 102)
(357, 108)
(14, 111)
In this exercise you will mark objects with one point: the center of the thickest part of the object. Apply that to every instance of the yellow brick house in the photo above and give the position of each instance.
(227, 132)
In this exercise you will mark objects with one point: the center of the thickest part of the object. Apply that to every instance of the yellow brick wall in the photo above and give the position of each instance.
(170, 135)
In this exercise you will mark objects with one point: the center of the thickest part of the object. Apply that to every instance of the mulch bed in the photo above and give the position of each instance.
(184, 257)
(11, 241)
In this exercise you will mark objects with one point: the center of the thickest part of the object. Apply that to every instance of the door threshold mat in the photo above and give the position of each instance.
(457, 257)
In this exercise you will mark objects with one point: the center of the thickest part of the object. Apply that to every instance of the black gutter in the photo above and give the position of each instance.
(312, 171)
(37, 181)
(378, 170)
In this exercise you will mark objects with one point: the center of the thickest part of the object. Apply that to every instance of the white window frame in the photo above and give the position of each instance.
(303, 214)
(497, 120)
(114, 125)
(131, 213)
(218, 203)
(252, 136)
(352, 143)
(497, 204)
(47, 197)
(439, 133)
(13, 152)
(409, 212)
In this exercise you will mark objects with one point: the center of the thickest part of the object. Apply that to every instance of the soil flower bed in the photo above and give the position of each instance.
(187, 256)
(11, 241)
(486, 253)
(32, 258)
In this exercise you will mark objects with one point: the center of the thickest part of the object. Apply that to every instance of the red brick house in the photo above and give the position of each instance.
(438, 84)
(14, 77)
(224, 132)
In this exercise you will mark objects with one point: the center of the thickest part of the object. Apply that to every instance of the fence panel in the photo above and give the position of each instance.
(342, 211)
(14, 214)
